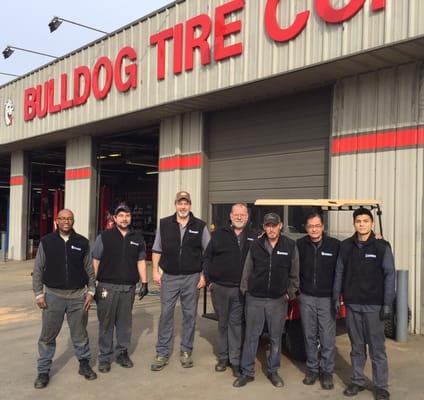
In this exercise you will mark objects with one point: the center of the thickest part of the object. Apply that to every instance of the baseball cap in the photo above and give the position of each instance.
(183, 196)
(122, 208)
(272, 219)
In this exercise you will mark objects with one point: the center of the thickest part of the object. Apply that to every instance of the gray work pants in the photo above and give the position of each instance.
(366, 328)
(52, 321)
(173, 287)
(258, 311)
(114, 312)
(319, 328)
(228, 305)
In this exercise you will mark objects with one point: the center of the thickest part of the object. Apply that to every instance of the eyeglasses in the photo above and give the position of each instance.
(317, 226)
(70, 219)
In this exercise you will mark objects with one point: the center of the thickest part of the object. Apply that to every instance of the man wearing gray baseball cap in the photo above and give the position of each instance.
(270, 278)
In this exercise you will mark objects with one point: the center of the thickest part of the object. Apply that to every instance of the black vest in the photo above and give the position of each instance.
(317, 265)
(270, 275)
(181, 258)
(65, 261)
(226, 258)
(363, 277)
(120, 256)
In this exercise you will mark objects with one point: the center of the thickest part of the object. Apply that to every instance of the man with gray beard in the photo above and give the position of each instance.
(224, 261)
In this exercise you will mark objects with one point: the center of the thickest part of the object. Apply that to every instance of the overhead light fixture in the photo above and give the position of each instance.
(9, 50)
(141, 164)
(101, 157)
(114, 155)
(152, 172)
(57, 21)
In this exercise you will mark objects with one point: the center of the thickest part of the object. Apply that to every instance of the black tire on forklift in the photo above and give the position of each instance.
(293, 342)
(390, 325)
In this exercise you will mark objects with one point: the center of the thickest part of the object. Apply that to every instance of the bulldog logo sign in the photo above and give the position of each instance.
(8, 112)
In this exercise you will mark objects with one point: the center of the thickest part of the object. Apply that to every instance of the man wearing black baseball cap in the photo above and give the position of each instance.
(178, 250)
(119, 263)
(365, 276)
(270, 278)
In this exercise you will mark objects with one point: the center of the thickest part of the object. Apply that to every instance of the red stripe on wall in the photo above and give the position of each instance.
(388, 140)
(16, 180)
(180, 162)
(79, 173)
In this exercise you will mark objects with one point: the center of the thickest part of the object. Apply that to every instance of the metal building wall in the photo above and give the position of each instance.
(81, 184)
(318, 43)
(273, 149)
(377, 152)
(18, 209)
(182, 163)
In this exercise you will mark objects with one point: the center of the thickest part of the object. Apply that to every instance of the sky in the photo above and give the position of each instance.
(24, 24)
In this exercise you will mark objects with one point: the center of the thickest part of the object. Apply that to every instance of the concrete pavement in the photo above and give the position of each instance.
(20, 328)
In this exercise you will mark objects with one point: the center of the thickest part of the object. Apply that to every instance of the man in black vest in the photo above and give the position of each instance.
(365, 276)
(270, 278)
(63, 283)
(178, 250)
(317, 259)
(119, 264)
(224, 262)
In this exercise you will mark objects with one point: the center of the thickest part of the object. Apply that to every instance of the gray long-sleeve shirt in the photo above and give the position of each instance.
(293, 273)
(388, 266)
(37, 278)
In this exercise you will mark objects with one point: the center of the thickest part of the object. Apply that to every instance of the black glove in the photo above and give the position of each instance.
(385, 312)
(336, 306)
(143, 290)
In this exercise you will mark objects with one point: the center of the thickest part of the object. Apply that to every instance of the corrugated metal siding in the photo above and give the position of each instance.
(262, 58)
(390, 99)
(277, 148)
(80, 194)
(18, 211)
(181, 135)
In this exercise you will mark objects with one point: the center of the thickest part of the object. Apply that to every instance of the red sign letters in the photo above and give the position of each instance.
(201, 34)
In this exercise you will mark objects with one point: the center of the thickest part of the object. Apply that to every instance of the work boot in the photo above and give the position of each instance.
(221, 366)
(326, 380)
(276, 379)
(352, 390)
(236, 370)
(381, 394)
(310, 377)
(185, 359)
(123, 360)
(243, 380)
(159, 363)
(104, 367)
(41, 381)
(86, 371)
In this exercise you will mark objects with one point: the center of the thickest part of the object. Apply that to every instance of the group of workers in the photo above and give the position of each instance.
(251, 279)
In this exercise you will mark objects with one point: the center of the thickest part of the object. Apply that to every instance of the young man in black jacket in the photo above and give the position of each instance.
(317, 260)
(365, 276)
(178, 250)
(119, 264)
(270, 278)
(224, 262)
(63, 283)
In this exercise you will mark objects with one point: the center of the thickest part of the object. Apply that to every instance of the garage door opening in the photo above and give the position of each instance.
(47, 184)
(128, 174)
(4, 203)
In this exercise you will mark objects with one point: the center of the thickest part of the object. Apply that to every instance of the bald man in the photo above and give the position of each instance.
(63, 283)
